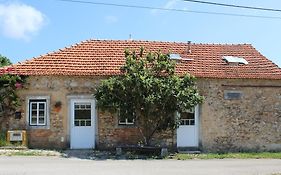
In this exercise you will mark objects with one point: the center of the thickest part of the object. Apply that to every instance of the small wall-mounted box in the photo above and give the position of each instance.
(17, 136)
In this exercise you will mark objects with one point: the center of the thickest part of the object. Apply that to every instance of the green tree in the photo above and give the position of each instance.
(9, 100)
(150, 92)
(4, 61)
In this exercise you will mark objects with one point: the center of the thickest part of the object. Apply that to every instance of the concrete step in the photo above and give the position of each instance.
(189, 152)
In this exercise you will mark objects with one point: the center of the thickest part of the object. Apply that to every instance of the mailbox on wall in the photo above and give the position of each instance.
(17, 136)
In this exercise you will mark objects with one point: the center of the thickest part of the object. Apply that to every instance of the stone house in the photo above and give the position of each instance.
(241, 110)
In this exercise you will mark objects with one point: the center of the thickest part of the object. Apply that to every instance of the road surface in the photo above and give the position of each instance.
(73, 166)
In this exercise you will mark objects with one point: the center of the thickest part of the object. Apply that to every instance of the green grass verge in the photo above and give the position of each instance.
(262, 155)
(3, 141)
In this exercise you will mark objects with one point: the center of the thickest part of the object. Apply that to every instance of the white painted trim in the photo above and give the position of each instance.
(48, 111)
(81, 98)
(197, 124)
(37, 115)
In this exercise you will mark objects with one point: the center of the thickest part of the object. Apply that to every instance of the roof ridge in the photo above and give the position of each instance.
(159, 41)
(118, 40)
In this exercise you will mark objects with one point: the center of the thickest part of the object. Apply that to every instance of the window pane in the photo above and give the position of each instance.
(83, 123)
(82, 114)
(34, 113)
(33, 120)
(130, 120)
(41, 113)
(187, 118)
(88, 123)
(41, 106)
(76, 123)
(192, 122)
(41, 120)
(34, 106)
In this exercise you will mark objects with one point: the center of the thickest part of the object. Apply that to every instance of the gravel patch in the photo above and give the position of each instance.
(29, 152)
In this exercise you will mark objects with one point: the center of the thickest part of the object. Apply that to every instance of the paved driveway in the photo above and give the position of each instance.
(70, 166)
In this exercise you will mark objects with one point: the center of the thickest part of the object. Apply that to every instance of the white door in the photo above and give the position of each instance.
(82, 124)
(187, 133)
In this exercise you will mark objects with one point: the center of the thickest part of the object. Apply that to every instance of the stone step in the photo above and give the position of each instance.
(189, 152)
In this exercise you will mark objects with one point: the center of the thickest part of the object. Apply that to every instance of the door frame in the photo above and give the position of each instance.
(197, 125)
(89, 98)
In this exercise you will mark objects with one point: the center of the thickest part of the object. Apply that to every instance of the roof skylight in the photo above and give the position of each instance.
(175, 56)
(235, 60)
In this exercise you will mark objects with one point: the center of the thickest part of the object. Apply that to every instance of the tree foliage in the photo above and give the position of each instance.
(150, 91)
(4, 61)
(9, 99)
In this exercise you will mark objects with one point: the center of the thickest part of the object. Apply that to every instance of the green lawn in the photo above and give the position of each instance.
(262, 155)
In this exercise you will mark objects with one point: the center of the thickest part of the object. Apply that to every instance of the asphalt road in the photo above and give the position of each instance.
(72, 166)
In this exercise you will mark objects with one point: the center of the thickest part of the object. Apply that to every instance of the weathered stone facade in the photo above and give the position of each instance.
(111, 134)
(56, 135)
(250, 123)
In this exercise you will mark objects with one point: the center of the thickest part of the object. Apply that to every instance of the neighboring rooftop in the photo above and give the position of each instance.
(105, 57)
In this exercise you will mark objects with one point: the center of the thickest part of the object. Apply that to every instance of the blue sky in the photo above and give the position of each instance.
(29, 28)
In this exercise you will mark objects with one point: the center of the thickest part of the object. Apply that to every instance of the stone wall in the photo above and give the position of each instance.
(56, 135)
(252, 123)
(111, 134)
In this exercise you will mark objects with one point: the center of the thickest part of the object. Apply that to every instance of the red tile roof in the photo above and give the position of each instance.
(104, 57)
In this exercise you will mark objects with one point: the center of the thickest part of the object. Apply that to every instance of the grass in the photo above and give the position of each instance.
(261, 155)
(3, 141)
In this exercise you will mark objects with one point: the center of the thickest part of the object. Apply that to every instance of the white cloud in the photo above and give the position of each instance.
(169, 4)
(111, 19)
(20, 21)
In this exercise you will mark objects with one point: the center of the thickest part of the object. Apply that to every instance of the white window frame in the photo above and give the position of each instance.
(188, 122)
(83, 120)
(37, 110)
(126, 122)
(38, 125)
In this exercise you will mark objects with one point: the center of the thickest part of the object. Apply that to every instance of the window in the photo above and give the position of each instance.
(126, 117)
(175, 56)
(187, 118)
(232, 95)
(235, 60)
(82, 114)
(37, 112)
